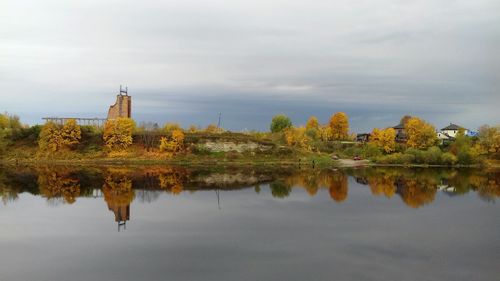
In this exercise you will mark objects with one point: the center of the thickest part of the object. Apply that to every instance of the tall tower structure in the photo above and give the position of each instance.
(123, 105)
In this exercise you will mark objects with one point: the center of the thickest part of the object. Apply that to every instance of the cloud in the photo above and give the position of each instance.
(185, 60)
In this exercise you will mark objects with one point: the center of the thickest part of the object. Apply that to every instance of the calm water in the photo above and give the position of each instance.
(165, 223)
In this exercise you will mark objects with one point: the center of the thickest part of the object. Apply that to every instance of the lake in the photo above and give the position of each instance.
(174, 223)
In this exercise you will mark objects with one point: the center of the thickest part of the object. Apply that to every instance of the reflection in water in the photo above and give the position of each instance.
(118, 194)
(120, 186)
(55, 184)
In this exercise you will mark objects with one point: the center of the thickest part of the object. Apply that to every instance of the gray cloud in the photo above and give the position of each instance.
(185, 61)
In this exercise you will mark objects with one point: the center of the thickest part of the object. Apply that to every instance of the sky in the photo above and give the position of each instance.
(186, 61)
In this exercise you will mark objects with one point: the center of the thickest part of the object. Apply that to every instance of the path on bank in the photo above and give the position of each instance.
(352, 163)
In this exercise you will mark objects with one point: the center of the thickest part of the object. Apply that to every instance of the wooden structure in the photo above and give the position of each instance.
(121, 108)
(96, 122)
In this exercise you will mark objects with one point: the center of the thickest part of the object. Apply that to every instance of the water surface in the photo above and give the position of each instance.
(168, 223)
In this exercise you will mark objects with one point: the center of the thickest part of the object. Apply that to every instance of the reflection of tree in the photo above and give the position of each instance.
(172, 180)
(6, 191)
(416, 193)
(382, 185)
(338, 187)
(118, 194)
(59, 183)
(487, 186)
(280, 189)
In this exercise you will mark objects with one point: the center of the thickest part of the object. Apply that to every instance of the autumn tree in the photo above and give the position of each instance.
(421, 134)
(297, 137)
(339, 125)
(312, 123)
(118, 133)
(174, 143)
(71, 133)
(170, 127)
(384, 139)
(54, 138)
(10, 126)
(312, 128)
(280, 122)
(489, 140)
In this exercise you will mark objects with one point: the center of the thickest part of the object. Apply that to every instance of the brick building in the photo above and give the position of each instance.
(122, 106)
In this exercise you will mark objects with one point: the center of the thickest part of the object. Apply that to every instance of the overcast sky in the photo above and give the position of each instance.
(186, 61)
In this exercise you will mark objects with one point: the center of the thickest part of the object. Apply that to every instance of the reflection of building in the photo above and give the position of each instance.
(122, 107)
(122, 213)
(118, 194)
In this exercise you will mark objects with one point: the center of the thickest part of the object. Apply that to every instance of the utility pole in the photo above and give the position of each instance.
(218, 123)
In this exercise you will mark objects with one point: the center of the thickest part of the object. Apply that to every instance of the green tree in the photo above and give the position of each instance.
(280, 122)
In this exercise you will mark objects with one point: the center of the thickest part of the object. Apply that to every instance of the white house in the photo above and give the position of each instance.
(450, 132)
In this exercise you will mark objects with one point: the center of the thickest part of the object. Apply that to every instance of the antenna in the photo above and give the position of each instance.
(124, 91)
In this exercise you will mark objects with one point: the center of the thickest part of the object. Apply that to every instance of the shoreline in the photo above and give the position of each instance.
(340, 163)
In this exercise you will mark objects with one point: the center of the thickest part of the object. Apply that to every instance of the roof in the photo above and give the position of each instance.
(452, 127)
(399, 126)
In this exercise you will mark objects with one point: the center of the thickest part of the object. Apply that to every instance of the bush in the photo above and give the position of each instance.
(371, 151)
(464, 158)
(432, 156)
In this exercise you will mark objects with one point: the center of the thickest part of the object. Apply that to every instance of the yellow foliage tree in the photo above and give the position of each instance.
(489, 140)
(118, 133)
(312, 123)
(385, 139)
(297, 137)
(71, 133)
(420, 134)
(339, 124)
(174, 144)
(54, 137)
(170, 127)
(325, 133)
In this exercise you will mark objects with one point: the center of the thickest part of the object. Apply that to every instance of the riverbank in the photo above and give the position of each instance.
(312, 160)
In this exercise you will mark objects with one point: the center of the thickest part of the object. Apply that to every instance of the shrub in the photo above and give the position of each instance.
(464, 158)
(371, 151)
(432, 156)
